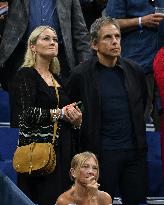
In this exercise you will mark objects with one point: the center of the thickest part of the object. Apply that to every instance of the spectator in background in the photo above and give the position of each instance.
(159, 77)
(113, 92)
(139, 26)
(92, 9)
(85, 173)
(65, 16)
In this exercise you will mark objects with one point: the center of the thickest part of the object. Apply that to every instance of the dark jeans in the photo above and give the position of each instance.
(124, 171)
(150, 92)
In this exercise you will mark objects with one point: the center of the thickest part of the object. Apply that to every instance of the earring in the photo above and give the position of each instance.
(34, 56)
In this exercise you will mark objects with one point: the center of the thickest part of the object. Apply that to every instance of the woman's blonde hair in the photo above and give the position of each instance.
(29, 60)
(79, 159)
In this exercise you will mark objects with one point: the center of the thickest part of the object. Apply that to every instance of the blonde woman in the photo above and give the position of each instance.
(38, 101)
(85, 173)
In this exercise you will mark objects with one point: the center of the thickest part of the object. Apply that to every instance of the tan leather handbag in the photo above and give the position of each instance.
(35, 159)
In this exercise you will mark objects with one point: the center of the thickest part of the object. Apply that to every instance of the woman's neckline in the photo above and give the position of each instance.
(43, 78)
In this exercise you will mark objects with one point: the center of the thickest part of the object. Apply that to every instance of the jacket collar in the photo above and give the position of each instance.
(119, 62)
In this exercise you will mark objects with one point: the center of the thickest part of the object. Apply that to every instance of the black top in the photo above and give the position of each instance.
(31, 101)
(116, 124)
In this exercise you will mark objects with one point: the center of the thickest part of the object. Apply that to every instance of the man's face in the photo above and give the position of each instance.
(108, 45)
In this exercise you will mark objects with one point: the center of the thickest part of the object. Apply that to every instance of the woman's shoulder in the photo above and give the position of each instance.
(105, 198)
(64, 199)
(28, 73)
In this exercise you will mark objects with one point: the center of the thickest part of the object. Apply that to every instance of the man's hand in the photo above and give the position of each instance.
(151, 20)
(3, 5)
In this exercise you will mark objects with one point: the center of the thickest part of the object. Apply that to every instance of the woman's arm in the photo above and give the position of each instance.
(23, 98)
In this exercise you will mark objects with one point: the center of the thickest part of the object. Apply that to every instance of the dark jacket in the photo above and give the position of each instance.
(84, 85)
(72, 24)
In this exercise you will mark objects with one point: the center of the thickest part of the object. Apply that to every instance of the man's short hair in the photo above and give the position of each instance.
(98, 24)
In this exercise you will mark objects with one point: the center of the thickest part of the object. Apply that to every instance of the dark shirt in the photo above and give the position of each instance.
(116, 129)
(43, 12)
(91, 10)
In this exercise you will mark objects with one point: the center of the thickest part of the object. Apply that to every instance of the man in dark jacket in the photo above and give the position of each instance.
(65, 16)
(113, 92)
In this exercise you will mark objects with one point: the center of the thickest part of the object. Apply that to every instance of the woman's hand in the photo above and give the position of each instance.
(92, 186)
(73, 114)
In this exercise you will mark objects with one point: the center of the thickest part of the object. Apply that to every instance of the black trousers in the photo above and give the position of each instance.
(126, 172)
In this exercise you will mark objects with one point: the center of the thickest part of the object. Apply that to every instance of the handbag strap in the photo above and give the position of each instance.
(57, 95)
(32, 145)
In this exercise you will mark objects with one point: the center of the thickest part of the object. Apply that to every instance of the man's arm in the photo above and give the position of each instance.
(124, 12)
(149, 21)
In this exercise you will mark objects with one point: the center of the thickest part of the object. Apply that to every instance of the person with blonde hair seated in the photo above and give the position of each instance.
(85, 173)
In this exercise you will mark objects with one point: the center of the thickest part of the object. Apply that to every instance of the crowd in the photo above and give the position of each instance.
(49, 61)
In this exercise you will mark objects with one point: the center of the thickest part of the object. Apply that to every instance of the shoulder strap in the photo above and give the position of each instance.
(56, 123)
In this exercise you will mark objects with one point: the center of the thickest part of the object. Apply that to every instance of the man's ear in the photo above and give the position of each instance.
(94, 46)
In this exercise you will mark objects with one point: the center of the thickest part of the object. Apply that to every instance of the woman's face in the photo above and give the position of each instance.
(46, 45)
(88, 171)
